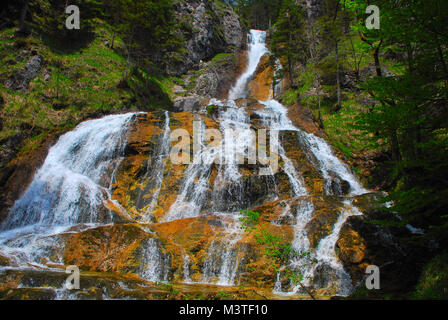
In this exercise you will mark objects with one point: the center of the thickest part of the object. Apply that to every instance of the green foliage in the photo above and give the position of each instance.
(48, 16)
(258, 14)
(221, 57)
(408, 120)
(212, 109)
(433, 283)
(149, 30)
(287, 40)
(249, 220)
(279, 252)
(168, 286)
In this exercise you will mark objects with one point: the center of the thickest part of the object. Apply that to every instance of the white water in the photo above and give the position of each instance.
(257, 48)
(222, 262)
(154, 265)
(75, 179)
(77, 176)
(328, 163)
(228, 180)
(69, 189)
(155, 170)
(274, 116)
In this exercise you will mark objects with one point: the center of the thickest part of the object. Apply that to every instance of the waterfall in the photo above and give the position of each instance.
(70, 188)
(274, 117)
(257, 48)
(222, 262)
(76, 179)
(155, 172)
(154, 265)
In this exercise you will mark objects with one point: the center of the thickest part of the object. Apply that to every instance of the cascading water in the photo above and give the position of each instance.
(76, 179)
(274, 117)
(69, 189)
(257, 48)
(155, 172)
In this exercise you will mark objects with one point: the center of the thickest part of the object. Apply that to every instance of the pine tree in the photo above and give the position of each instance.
(287, 39)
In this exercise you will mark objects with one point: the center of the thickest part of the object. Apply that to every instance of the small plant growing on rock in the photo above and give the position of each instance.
(279, 252)
(212, 109)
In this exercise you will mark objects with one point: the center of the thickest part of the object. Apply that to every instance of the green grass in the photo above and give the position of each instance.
(81, 83)
(433, 283)
(339, 126)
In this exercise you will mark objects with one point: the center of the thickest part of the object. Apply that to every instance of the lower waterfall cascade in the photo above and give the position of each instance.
(74, 192)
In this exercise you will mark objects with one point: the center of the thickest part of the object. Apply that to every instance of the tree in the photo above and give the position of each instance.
(258, 14)
(287, 39)
(149, 31)
(409, 118)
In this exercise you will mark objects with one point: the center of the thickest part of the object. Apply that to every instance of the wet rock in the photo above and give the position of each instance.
(215, 223)
(362, 243)
(28, 294)
(260, 86)
(338, 187)
(105, 249)
(17, 172)
(322, 223)
(4, 261)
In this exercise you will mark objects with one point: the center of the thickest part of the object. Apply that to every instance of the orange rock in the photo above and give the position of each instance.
(105, 249)
(260, 87)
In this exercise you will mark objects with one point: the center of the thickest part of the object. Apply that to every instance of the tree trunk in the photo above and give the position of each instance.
(442, 60)
(291, 82)
(338, 81)
(321, 123)
(57, 86)
(113, 38)
(23, 15)
(395, 147)
(376, 57)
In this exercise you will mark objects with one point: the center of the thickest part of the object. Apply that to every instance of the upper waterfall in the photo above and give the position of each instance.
(257, 48)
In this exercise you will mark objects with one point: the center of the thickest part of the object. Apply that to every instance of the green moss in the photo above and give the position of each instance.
(221, 57)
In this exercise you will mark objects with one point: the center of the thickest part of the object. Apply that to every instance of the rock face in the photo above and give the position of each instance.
(191, 103)
(218, 75)
(22, 79)
(260, 86)
(363, 243)
(210, 27)
(18, 172)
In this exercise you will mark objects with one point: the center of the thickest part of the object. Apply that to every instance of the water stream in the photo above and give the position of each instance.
(76, 178)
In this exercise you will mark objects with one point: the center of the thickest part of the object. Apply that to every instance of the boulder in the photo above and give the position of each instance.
(21, 80)
(192, 103)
